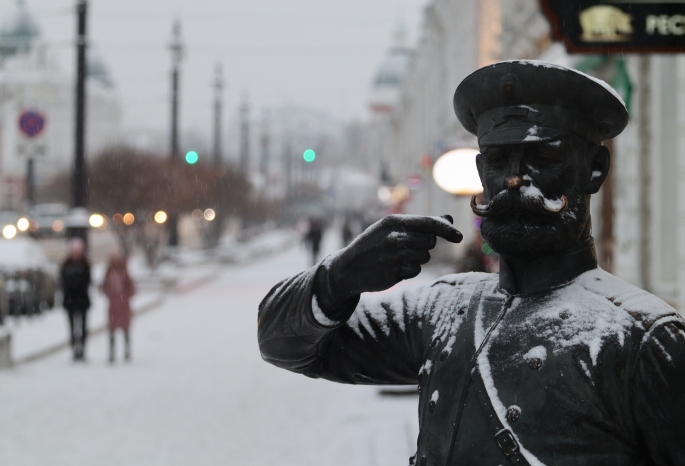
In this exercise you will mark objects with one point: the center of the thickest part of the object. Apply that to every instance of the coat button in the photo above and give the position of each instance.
(424, 461)
(431, 406)
(535, 363)
(513, 413)
(420, 390)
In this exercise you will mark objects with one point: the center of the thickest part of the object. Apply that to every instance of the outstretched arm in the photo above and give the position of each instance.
(303, 321)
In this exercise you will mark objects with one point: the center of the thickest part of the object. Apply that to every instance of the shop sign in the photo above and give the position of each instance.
(593, 26)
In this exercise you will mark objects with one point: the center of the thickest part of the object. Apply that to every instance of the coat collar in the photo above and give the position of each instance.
(548, 272)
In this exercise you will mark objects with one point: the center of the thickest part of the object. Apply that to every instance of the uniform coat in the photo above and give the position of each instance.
(582, 367)
(119, 289)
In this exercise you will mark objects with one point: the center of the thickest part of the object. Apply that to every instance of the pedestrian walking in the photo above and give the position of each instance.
(313, 239)
(346, 232)
(75, 282)
(119, 289)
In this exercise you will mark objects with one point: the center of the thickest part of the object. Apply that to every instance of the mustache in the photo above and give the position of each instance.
(506, 202)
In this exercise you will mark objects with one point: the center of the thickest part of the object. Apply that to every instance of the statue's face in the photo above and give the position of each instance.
(537, 195)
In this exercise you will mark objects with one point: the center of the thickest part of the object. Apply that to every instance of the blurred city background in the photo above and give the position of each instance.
(220, 148)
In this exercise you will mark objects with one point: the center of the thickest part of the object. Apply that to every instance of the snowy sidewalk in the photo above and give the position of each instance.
(197, 392)
(38, 336)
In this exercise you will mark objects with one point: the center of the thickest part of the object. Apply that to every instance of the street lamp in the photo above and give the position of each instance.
(209, 215)
(160, 217)
(455, 172)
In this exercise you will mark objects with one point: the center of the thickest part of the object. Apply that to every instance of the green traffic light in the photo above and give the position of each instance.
(309, 155)
(192, 157)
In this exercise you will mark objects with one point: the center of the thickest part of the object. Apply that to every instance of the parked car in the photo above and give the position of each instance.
(48, 220)
(30, 279)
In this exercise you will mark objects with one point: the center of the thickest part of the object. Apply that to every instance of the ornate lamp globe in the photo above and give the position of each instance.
(455, 172)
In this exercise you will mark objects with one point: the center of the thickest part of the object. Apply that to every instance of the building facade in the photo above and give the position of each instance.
(31, 80)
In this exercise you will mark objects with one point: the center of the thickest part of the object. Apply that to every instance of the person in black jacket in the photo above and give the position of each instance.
(75, 281)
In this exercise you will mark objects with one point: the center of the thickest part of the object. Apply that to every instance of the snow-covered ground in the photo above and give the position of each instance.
(197, 392)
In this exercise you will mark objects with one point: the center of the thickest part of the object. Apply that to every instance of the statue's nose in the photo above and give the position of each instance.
(514, 182)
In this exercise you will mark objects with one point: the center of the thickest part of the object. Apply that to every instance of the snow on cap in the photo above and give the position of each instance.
(528, 101)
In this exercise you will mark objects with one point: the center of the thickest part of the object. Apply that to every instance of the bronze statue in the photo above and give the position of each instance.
(553, 361)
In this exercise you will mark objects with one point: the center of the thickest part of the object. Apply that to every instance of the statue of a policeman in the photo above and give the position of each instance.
(551, 362)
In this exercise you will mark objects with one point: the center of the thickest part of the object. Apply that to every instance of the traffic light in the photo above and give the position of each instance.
(309, 155)
(192, 157)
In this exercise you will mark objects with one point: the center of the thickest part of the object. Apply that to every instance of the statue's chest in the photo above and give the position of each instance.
(540, 359)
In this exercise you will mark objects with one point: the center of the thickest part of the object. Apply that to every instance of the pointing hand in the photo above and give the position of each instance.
(389, 251)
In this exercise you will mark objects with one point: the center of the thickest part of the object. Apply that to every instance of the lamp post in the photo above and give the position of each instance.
(177, 49)
(79, 173)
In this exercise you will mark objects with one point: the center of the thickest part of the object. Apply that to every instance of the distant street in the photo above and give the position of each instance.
(198, 393)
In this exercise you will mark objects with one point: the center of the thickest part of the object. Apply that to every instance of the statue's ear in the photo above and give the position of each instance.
(599, 161)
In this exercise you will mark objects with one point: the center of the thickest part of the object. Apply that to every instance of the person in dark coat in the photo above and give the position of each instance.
(75, 283)
(119, 289)
(313, 239)
(553, 361)
(346, 232)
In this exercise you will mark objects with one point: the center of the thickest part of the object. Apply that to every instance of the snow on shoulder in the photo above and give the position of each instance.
(597, 308)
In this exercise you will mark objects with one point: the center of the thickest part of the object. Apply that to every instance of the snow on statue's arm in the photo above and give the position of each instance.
(378, 338)
(659, 392)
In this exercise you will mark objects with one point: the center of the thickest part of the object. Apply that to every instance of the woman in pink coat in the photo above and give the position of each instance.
(119, 289)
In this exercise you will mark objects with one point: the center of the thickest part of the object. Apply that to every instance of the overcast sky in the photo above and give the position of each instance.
(318, 53)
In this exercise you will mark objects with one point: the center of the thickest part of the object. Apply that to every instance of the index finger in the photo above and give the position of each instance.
(437, 226)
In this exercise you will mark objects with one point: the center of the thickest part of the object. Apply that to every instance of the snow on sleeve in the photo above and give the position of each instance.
(586, 370)
(666, 336)
(435, 396)
(447, 350)
(426, 368)
(319, 316)
(438, 304)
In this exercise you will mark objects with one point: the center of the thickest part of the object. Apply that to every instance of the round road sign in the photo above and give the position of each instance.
(31, 123)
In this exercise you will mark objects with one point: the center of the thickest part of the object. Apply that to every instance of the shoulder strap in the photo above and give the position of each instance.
(503, 436)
